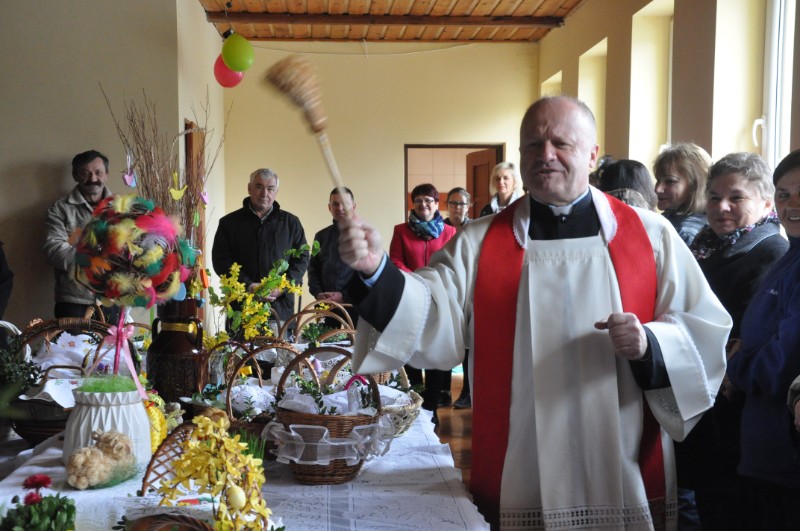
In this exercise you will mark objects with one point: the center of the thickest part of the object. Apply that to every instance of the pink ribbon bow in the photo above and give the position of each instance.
(118, 336)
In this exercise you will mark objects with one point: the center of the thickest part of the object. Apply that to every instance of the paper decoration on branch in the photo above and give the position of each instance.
(131, 253)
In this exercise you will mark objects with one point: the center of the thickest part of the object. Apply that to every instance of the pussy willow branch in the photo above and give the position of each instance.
(155, 159)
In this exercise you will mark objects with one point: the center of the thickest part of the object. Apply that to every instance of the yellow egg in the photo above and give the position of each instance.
(236, 497)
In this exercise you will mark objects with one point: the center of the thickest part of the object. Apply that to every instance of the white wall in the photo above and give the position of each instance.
(54, 56)
(375, 104)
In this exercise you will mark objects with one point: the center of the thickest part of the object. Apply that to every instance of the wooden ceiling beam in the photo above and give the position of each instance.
(383, 20)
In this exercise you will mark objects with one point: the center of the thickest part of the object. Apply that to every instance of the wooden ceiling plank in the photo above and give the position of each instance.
(462, 7)
(400, 7)
(212, 5)
(421, 7)
(528, 8)
(505, 8)
(442, 7)
(430, 32)
(387, 20)
(547, 6)
(282, 31)
(450, 34)
(276, 6)
(390, 33)
(484, 8)
(337, 7)
(298, 31)
(315, 7)
(319, 32)
(252, 6)
(292, 6)
(358, 7)
(379, 7)
(340, 32)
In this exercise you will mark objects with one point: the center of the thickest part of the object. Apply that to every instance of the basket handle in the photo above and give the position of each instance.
(344, 316)
(46, 374)
(250, 355)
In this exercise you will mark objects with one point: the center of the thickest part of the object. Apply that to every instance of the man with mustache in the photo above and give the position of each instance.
(64, 220)
(593, 338)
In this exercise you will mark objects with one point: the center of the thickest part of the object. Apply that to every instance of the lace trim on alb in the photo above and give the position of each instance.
(580, 517)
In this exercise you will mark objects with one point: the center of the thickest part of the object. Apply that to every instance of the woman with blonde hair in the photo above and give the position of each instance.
(680, 172)
(505, 180)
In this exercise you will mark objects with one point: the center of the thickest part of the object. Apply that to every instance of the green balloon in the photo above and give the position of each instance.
(237, 53)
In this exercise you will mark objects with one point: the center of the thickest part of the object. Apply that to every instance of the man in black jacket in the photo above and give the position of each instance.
(328, 275)
(257, 235)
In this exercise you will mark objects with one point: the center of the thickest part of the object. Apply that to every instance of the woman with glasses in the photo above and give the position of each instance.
(412, 245)
(458, 204)
(505, 180)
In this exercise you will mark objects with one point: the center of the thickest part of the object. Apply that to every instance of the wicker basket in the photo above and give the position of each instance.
(43, 418)
(404, 416)
(161, 469)
(160, 466)
(255, 426)
(339, 426)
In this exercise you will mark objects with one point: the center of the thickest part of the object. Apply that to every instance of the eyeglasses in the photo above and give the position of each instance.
(457, 204)
(425, 200)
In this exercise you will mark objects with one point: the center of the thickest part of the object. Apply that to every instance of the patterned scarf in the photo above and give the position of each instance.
(427, 230)
(707, 243)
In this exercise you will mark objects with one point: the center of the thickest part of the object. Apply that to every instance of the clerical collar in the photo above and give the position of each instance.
(564, 210)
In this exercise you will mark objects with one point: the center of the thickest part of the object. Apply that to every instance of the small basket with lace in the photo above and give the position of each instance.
(328, 449)
(403, 416)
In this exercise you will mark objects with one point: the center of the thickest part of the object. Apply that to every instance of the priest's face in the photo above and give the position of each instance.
(558, 150)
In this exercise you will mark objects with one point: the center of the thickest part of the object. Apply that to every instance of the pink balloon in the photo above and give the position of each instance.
(225, 76)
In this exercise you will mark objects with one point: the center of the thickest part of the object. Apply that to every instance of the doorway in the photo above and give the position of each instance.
(447, 166)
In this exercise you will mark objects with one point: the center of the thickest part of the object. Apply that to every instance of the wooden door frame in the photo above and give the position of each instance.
(499, 147)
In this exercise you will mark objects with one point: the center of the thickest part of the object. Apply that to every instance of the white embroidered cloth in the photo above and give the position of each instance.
(414, 486)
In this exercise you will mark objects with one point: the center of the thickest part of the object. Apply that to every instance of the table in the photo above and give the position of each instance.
(414, 486)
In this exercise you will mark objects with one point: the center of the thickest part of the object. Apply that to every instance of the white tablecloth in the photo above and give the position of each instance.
(414, 486)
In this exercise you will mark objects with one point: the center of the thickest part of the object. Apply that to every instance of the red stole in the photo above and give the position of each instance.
(495, 311)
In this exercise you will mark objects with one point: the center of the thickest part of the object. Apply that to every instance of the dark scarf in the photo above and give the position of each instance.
(707, 243)
(427, 230)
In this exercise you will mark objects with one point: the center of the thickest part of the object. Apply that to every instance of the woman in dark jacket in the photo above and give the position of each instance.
(765, 365)
(506, 183)
(620, 177)
(735, 250)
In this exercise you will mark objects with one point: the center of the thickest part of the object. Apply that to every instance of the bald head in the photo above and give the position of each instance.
(558, 149)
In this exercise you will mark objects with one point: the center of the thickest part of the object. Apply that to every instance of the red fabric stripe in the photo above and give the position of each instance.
(495, 314)
(632, 256)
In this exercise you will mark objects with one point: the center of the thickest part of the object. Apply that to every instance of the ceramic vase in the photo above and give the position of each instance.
(122, 411)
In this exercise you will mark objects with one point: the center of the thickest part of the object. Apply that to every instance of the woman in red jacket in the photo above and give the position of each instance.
(412, 245)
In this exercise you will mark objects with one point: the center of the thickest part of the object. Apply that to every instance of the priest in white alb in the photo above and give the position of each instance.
(596, 338)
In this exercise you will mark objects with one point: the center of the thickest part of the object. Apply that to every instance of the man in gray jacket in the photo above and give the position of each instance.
(64, 220)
